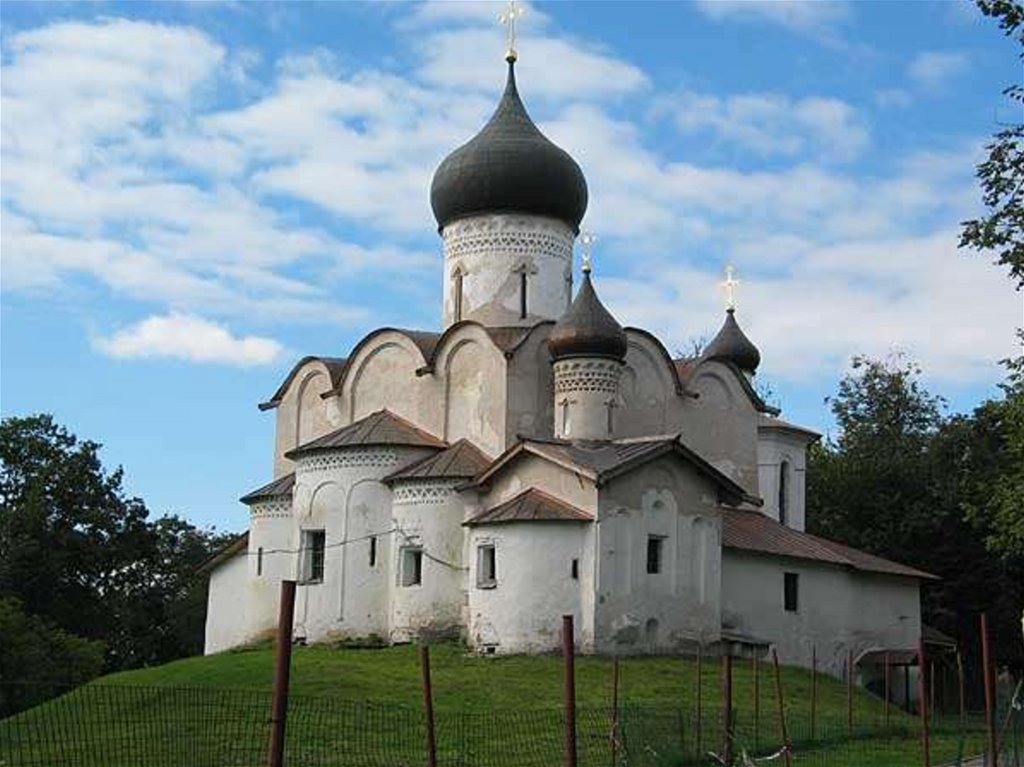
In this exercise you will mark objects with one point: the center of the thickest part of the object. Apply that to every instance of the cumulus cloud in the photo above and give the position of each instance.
(934, 69)
(774, 125)
(806, 16)
(189, 338)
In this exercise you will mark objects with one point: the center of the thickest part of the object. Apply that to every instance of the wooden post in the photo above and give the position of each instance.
(888, 690)
(922, 705)
(906, 687)
(757, 701)
(931, 686)
(282, 674)
(727, 708)
(814, 689)
(700, 663)
(782, 711)
(962, 690)
(990, 700)
(615, 711)
(849, 692)
(569, 656)
(428, 706)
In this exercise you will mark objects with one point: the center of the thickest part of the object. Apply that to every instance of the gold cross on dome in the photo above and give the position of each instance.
(587, 240)
(729, 286)
(508, 18)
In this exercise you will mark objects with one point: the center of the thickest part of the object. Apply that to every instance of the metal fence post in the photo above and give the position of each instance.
(888, 691)
(569, 656)
(922, 704)
(282, 674)
(727, 708)
(700, 664)
(757, 701)
(849, 692)
(814, 689)
(615, 711)
(990, 700)
(428, 706)
(786, 746)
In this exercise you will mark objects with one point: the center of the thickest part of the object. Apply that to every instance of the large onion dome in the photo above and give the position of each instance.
(509, 167)
(732, 345)
(587, 329)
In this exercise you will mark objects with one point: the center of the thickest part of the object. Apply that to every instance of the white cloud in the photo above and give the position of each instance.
(934, 69)
(807, 16)
(774, 125)
(189, 338)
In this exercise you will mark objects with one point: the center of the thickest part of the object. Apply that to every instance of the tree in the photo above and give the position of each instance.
(1001, 230)
(75, 550)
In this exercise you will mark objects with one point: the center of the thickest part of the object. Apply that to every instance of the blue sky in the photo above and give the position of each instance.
(196, 195)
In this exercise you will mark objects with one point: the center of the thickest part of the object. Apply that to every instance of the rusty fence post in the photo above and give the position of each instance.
(922, 705)
(888, 689)
(786, 745)
(990, 700)
(727, 708)
(814, 689)
(849, 692)
(757, 701)
(615, 711)
(700, 664)
(962, 690)
(282, 674)
(569, 656)
(428, 706)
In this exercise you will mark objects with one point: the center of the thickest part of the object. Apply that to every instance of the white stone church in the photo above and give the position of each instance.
(533, 458)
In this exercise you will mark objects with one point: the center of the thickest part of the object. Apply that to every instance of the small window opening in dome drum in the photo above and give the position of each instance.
(373, 551)
(575, 570)
(522, 294)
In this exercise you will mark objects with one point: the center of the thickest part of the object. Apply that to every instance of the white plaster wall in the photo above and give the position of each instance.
(839, 609)
(490, 250)
(302, 415)
(428, 514)
(670, 500)
(773, 447)
(341, 493)
(270, 528)
(472, 371)
(227, 623)
(383, 376)
(534, 586)
(531, 471)
(529, 404)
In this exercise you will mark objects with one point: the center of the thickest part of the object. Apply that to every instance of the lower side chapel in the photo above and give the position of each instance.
(533, 458)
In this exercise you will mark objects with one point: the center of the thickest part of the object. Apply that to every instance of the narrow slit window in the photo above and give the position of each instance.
(522, 294)
(655, 549)
(791, 592)
(575, 570)
(259, 561)
(486, 567)
(373, 551)
(412, 566)
(457, 295)
(314, 545)
(784, 493)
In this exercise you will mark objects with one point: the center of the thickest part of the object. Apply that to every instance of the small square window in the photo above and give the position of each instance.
(575, 570)
(486, 567)
(655, 547)
(313, 546)
(791, 592)
(412, 566)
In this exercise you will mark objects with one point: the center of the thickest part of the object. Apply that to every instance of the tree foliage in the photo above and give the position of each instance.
(75, 550)
(905, 482)
(1001, 174)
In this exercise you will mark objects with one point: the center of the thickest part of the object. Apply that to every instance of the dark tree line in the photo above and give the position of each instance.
(84, 565)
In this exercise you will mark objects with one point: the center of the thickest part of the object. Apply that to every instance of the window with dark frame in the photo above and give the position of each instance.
(791, 592)
(373, 551)
(655, 545)
(412, 566)
(486, 567)
(259, 561)
(315, 544)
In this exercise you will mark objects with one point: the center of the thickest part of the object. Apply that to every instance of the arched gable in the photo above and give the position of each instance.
(302, 415)
(381, 375)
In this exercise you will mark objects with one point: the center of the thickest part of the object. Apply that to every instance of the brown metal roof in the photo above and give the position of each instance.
(279, 488)
(380, 428)
(531, 505)
(772, 422)
(234, 548)
(462, 460)
(335, 368)
(753, 531)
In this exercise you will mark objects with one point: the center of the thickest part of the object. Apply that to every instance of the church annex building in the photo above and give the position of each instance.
(533, 458)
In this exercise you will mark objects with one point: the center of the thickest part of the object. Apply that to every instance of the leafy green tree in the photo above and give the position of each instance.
(1001, 230)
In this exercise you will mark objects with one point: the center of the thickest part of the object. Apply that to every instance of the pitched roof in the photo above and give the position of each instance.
(335, 368)
(531, 505)
(462, 460)
(234, 548)
(279, 488)
(380, 428)
(774, 422)
(603, 461)
(753, 531)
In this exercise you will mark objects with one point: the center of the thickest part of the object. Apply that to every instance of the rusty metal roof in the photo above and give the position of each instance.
(462, 460)
(754, 531)
(380, 428)
(531, 505)
(279, 488)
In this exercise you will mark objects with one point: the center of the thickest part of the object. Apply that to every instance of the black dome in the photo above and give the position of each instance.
(509, 166)
(587, 329)
(732, 345)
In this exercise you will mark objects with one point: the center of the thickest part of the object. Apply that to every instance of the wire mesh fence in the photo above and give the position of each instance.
(131, 726)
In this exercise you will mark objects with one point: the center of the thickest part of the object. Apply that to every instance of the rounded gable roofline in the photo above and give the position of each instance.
(424, 341)
(335, 367)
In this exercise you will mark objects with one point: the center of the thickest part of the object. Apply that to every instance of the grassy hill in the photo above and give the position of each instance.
(363, 707)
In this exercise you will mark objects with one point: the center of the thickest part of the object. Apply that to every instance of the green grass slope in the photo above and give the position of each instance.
(364, 707)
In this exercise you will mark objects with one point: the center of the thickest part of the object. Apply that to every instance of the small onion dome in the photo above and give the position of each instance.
(587, 329)
(509, 167)
(733, 346)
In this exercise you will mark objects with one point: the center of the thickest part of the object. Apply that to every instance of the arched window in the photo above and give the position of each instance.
(522, 294)
(457, 293)
(784, 492)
